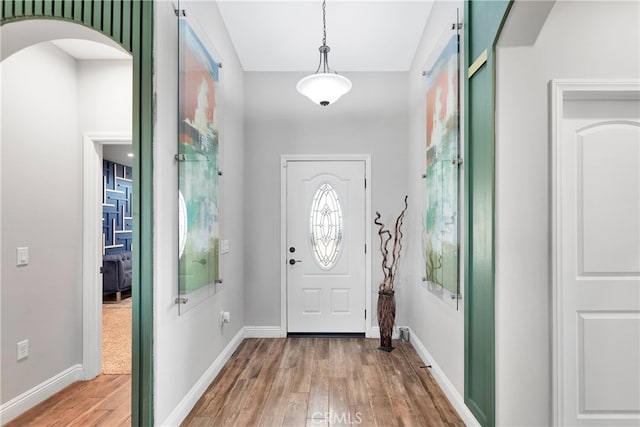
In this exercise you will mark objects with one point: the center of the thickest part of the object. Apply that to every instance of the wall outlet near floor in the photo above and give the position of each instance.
(225, 317)
(23, 349)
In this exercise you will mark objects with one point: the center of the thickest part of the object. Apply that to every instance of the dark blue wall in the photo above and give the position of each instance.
(117, 217)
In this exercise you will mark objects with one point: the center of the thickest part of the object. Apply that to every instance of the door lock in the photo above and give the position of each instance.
(294, 261)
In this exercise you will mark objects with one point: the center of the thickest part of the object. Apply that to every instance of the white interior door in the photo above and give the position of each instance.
(325, 237)
(599, 263)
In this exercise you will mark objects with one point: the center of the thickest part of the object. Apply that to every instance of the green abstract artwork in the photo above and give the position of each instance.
(442, 164)
(198, 163)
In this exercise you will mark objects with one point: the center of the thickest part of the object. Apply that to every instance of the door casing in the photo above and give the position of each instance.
(284, 159)
(92, 254)
(483, 22)
(561, 90)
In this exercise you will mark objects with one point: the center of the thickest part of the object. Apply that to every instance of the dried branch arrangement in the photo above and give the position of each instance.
(391, 258)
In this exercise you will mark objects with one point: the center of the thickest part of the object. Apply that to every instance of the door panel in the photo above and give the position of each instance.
(600, 267)
(608, 158)
(609, 363)
(325, 246)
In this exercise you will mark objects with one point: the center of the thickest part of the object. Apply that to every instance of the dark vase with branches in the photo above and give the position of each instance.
(386, 292)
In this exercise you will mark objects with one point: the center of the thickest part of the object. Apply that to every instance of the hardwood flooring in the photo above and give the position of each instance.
(103, 401)
(297, 382)
(323, 382)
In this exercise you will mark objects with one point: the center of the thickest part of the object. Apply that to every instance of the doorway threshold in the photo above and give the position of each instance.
(325, 334)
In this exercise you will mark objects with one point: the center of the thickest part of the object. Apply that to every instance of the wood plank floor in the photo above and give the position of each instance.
(279, 382)
(103, 401)
(323, 382)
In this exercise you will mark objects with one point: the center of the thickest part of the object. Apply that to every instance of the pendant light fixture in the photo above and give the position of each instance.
(325, 86)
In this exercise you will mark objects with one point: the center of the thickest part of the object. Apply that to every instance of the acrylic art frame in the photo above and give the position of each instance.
(198, 165)
(442, 158)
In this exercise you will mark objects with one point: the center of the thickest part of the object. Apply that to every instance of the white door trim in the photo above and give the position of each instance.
(284, 159)
(92, 248)
(561, 90)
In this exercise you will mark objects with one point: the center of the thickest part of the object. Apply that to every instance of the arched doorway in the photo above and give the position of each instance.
(130, 25)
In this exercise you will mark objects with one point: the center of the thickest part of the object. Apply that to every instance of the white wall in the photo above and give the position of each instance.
(438, 326)
(48, 100)
(19, 34)
(105, 89)
(41, 209)
(579, 40)
(186, 346)
(371, 119)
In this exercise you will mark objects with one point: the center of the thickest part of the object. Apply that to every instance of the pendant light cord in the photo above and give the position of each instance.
(324, 49)
(324, 22)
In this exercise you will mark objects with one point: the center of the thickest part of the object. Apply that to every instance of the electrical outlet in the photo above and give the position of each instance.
(224, 317)
(23, 349)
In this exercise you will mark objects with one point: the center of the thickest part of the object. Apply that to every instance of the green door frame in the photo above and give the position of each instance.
(130, 23)
(483, 23)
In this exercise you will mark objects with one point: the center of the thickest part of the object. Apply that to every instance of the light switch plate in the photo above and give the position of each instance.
(23, 349)
(22, 256)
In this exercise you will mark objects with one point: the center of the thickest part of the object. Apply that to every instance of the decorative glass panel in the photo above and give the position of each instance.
(198, 167)
(442, 167)
(326, 226)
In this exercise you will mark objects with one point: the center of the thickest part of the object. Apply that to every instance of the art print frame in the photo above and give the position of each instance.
(199, 166)
(441, 238)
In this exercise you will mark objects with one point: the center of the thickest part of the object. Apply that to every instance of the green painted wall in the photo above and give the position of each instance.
(130, 23)
(483, 21)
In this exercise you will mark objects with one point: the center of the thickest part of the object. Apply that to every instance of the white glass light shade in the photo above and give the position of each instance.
(324, 88)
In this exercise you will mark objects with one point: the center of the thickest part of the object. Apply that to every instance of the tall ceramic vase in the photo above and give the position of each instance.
(386, 318)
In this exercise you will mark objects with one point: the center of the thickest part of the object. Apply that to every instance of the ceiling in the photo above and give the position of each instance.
(372, 35)
(364, 35)
(118, 153)
(86, 49)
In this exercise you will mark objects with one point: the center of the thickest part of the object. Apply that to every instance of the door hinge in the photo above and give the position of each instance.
(365, 183)
(365, 313)
(365, 248)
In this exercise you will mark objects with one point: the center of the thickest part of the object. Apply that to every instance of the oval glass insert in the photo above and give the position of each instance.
(326, 226)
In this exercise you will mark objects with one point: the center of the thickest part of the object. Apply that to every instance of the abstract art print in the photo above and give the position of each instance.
(442, 163)
(198, 162)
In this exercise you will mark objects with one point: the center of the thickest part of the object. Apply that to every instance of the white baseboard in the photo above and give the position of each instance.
(449, 390)
(180, 412)
(30, 398)
(264, 332)
(374, 332)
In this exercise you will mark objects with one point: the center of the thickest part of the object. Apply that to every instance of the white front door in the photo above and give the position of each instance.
(598, 271)
(325, 237)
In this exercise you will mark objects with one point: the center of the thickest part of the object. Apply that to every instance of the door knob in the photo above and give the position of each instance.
(293, 261)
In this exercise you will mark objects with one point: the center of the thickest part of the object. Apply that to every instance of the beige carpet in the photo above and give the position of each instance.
(116, 338)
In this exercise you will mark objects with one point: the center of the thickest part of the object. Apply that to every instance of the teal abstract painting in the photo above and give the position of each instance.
(198, 163)
(442, 176)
